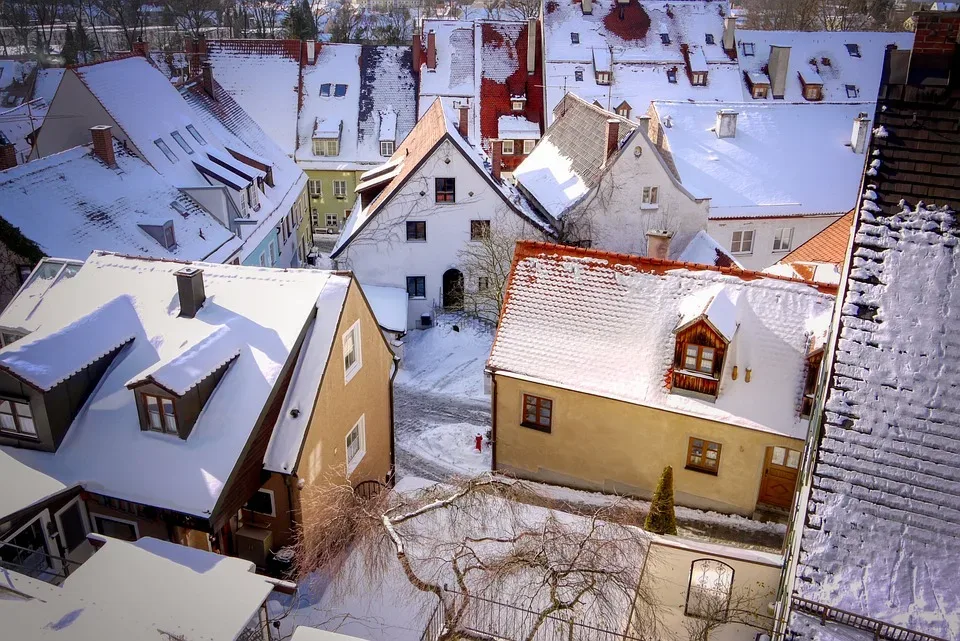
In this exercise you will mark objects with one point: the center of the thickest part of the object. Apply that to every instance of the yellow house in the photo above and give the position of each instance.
(606, 368)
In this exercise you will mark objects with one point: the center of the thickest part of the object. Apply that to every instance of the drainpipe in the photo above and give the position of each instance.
(393, 449)
(493, 421)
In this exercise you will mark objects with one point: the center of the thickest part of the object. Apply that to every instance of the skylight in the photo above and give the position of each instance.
(709, 38)
(178, 137)
(578, 75)
(853, 49)
(340, 91)
(672, 75)
(747, 48)
(574, 38)
(162, 146)
(179, 208)
(665, 38)
(852, 91)
(325, 90)
(196, 134)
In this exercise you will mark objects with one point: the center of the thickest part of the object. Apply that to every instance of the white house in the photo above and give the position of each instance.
(603, 184)
(415, 213)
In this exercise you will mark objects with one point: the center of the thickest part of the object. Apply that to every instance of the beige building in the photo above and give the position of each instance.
(607, 368)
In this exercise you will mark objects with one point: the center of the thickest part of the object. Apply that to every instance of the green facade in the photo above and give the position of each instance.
(323, 207)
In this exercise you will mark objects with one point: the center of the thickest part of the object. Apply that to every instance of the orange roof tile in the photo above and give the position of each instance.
(829, 246)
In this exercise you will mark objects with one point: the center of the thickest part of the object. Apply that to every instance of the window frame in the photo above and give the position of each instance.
(578, 75)
(808, 398)
(360, 427)
(664, 38)
(353, 333)
(165, 148)
(853, 49)
(687, 610)
(180, 140)
(417, 280)
(84, 519)
(335, 223)
(778, 244)
(574, 38)
(273, 504)
(148, 425)
(538, 403)
(852, 91)
(17, 431)
(479, 229)
(445, 195)
(483, 283)
(698, 78)
(741, 250)
(650, 196)
(96, 528)
(704, 448)
(322, 147)
(416, 226)
(709, 39)
(387, 148)
(41, 520)
(196, 135)
(699, 359)
(337, 192)
(813, 92)
(672, 76)
(507, 150)
(760, 91)
(749, 49)
(315, 187)
(528, 146)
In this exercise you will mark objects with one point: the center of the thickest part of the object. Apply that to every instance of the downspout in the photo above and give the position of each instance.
(393, 449)
(493, 420)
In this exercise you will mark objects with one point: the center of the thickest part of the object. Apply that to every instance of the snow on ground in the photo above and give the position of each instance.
(453, 445)
(448, 359)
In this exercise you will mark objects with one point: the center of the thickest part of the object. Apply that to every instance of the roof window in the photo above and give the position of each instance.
(748, 48)
(196, 134)
(162, 146)
(708, 38)
(574, 38)
(672, 75)
(179, 208)
(163, 234)
(178, 138)
(578, 75)
(852, 91)
(665, 38)
(325, 90)
(339, 91)
(853, 49)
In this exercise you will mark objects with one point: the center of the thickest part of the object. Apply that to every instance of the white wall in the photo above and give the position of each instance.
(381, 255)
(765, 229)
(615, 215)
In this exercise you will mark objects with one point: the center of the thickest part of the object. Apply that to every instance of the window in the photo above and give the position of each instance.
(578, 75)
(623, 112)
(162, 146)
(709, 589)
(783, 239)
(748, 48)
(812, 92)
(603, 77)
(761, 91)
(853, 49)
(528, 146)
(326, 147)
(446, 190)
(331, 220)
(810, 384)
(479, 229)
(699, 358)
(263, 260)
(416, 286)
(161, 416)
(178, 138)
(703, 456)
(650, 196)
(340, 189)
(698, 79)
(507, 147)
(351, 352)
(315, 218)
(115, 528)
(852, 91)
(517, 105)
(387, 147)
(316, 188)
(742, 242)
(416, 230)
(672, 75)
(272, 253)
(356, 442)
(537, 413)
(169, 239)
(785, 457)
(339, 91)
(72, 525)
(30, 556)
(483, 283)
(325, 90)
(16, 417)
(574, 38)
(665, 38)
(708, 38)
(262, 503)
(196, 134)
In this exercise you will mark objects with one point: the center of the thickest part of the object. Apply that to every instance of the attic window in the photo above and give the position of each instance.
(810, 384)
(672, 75)
(178, 138)
(748, 49)
(603, 77)
(326, 147)
(325, 90)
(813, 92)
(574, 38)
(578, 75)
(16, 417)
(159, 413)
(163, 234)
(339, 91)
(761, 90)
(852, 91)
(853, 49)
(162, 146)
(708, 38)
(698, 78)
(665, 38)
(196, 134)
(387, 147)
(698, 360)
(179, 208)
(517, 105)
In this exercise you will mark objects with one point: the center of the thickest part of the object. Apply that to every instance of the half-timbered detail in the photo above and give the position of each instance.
(698, 360)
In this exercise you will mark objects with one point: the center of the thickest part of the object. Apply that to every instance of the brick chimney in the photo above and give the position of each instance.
(463, 125)
(141, 48)
(531, 46)
(934, 46)
(432, 50)
(658, 243)
(8, 154)
(496, 157)
(206, 80)
(613, 134)
(777, 69)
(103, 144)
(416, 51)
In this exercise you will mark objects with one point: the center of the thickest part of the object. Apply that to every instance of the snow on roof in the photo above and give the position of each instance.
(717, 549)
(286, 442)
(338, 65)
(149, 590)
(548, 176)
(47, 82)
(704, 250)
(698, 61)
(174, 65)
(389, 305)
(784, 160)
(194, 363)
(388, 125)
(518, 128)
(21, 121)
(601, 59)
(455, 72)
(267, 310)
(388, 98)
(263, 77)
(598, 349)
(823, 54)
(717, 305)
(31, 486)
(47, 273)
(327, 127)
(303, 633)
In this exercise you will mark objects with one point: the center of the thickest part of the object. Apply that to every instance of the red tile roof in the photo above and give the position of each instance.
(829, 246)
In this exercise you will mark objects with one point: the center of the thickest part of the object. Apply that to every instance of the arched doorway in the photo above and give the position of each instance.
(453, 289)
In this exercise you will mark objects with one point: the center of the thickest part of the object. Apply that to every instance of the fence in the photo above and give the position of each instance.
(36, 563)
(878, 629)
(435, 625)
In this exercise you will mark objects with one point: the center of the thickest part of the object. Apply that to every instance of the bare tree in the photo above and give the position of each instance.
(475, 535)
(193, 16)
(16, 15)
(520, 9)
(346, 23)
(485, 263)
(126, 14)
(717, 606)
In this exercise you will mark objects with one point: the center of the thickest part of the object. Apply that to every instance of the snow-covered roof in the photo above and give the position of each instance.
(71, 204)
(455, 72)
(785, 159)
(47, 273)
(388, 98)
(822, 57)
(591, 303)
(388, 125)
(184, 371)
(21, 121)
(518, 128)
(389, 305)
(303, 633)
(48, 80)
(31, 486)
(265, 310)
(704, 250)
(263, 76)
(149, 590)
(716, 305)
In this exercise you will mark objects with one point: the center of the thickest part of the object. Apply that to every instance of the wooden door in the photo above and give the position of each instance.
(779, 480)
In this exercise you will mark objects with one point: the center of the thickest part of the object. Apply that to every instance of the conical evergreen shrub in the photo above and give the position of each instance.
(662, 518)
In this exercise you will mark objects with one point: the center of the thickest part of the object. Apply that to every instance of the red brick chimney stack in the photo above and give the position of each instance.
(8, 155)
(937, 32)
(463, 125)
(141, 48)
(496, 160)
(416, 51)
(613, 134)
(103, 144)
(431, 50)
(207, 79)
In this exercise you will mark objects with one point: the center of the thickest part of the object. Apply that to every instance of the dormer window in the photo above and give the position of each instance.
(702, 337)
(326, 147)
(699, 358)
(708, 39)
(160, 414)
(517, 104)
(163, 234)
(387, 147)
(853, 49)
(813, 92)
(623, 109)
(16, 418)
(578, 75)
(748, 48)
(761, 90)
(698, 78)
(603, 77)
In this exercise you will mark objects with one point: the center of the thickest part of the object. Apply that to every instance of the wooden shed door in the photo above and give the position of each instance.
(779, 477)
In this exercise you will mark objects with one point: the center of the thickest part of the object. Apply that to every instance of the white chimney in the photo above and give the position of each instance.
(777, 69)
(658, 243)
(726, 126)
(729, 33)
(587, 6)
(531, 46)
(311, 48)
(861, 133)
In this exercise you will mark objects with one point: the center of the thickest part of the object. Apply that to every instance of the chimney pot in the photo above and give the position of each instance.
(587, 7)
(416, 51)
(190, 291)
(613, 135)
(207, 79)
(658, 243)
(860, 134)
(729, 34)
(431, 50)
(8, 154)
(726, 126)
(102, 136)
(531, 46)
(777, 69)
(141, 48)
(463, 123)
(496, 160)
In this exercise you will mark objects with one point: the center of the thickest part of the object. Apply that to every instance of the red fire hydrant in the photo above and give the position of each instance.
(479, 441)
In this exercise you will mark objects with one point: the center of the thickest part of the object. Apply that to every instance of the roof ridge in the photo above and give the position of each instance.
(44, 163)
(113, 58)
(531, 248)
